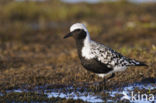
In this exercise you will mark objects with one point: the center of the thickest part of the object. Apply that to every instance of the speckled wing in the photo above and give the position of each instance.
(112, 58)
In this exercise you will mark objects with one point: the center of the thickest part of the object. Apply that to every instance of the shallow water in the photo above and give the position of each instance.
(89, 97)
(129, 90)
(70, 92)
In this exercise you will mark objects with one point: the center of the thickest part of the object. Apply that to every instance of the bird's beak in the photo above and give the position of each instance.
(68, 35)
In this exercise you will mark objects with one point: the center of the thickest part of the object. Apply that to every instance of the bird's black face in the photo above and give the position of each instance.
(78, 34)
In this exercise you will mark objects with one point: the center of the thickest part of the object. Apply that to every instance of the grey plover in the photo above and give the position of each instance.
(96, 57)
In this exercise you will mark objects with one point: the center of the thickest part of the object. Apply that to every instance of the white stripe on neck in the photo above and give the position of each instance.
(86, 50)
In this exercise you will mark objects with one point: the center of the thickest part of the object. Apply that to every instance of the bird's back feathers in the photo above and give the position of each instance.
(112, 58)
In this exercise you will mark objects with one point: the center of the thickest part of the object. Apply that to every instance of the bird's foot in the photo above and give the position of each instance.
(99, 86)
(102, 85)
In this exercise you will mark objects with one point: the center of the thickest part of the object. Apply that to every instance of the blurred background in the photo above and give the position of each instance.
(34, 53)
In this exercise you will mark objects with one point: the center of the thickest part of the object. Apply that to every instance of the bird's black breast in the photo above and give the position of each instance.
(94, 65)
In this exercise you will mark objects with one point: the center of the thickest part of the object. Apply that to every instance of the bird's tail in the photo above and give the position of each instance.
(141, 64)
(137, 63)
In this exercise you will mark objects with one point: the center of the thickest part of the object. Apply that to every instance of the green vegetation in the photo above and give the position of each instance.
(31, 38)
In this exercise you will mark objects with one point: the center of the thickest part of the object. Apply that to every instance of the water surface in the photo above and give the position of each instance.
(119, 94)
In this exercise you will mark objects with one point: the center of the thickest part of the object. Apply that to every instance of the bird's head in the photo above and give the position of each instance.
(78, 31)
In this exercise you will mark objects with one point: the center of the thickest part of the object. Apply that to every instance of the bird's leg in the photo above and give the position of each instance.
(104, 81)
(113, 75)
(104, 84)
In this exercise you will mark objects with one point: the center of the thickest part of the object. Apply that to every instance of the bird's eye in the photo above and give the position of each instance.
(78, 30)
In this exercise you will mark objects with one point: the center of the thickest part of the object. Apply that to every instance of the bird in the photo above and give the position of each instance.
(96, 57)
